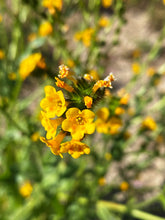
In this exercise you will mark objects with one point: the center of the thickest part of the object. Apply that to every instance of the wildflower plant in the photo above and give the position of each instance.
(69, 110)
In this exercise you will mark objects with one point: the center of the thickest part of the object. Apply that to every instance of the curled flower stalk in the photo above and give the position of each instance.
(68, 113)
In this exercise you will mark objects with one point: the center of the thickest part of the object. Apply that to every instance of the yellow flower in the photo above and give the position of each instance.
(102, 181)
(28, 65)
(64, 85)
(45, 29)
(104, 83)
(124, 100)
(124, 186)
(151, 71)
(104, 21)
(26, 189)
(85, 36)
(2, 54)
(114, 125)
(136, 53)
(103, 113)
(119, 111)
(74, 148)
(101, 122)
(163, 2)
(54, 102)
(107, 3)
(52, 5)
(63, 71)
(108, 156)
(35, 136)
(149, 123)
(32, 37)
(79, 122)
(1, 18)
(88, 77)
(50, 125)
(12, 76)
(54, 143)
(70, 63)
(94, 74)
(136, 68)
(88, 101)
(41, 64)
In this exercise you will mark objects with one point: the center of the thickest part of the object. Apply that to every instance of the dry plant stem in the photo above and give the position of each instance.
(123, 209)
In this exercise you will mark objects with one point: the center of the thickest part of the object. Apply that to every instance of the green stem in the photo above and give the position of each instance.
(123, 209)
(11, 120)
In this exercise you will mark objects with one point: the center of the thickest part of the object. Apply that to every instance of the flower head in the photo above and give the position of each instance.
(149, 123)
(45, 29)
(107, 3)
(54, 102)
(26, 189)
(2, 54)
(50, 125)
(74, 148)
(88, 101)
(28, 65)
(79, 122)
(54, 143)
(52, 5)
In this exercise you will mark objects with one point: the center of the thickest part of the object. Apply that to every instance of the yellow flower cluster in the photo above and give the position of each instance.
(52, 5)
(28, 64)
(106, 124)
(149, 123)
(71, 117)
(85, 36)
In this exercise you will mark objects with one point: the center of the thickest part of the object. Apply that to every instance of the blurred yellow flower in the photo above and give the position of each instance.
(54, 143)
(103, 113)
(119, 111)
(136, 53)
(94, 74)
(41, 64)
(88, 101)
(114, 125)
(50, 125)
(26, 189)
(74, 148)
(12, 76)
(163, 2)
(124, 100)
(63, 71)
(151, 71)
(35, 136)
(136, 68)
(54, 102)
(79, 123)
(149, 123)
(45, 29)
(70, 63)
(108, 156)
(107, 3)
(32, 37)
(52, 5)
(124, 186)
(2, 54)
(1, 18)
(28, 64)
(85, 36)
(104, 21)
(102, 181)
